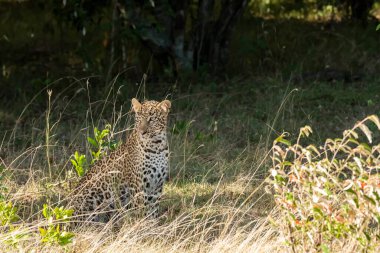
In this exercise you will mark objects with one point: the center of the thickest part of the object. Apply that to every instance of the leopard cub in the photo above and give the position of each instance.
(134, 174)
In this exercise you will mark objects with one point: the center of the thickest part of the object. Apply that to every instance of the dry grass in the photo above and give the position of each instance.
(198, 216)
(213, 202)
(184, 234)
(215, 199)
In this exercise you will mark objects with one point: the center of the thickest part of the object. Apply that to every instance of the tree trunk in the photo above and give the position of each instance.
(360, 9)
(212, 36)
(185, 38)
(114, 39)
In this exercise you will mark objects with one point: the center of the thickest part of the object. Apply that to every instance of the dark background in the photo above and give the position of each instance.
(248, 50)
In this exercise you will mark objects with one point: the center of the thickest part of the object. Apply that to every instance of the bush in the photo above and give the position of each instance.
(53, 233)
(8, 213)
(328, 196)
(100, 144)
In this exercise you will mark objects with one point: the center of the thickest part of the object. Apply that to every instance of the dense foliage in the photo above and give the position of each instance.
(329, 196)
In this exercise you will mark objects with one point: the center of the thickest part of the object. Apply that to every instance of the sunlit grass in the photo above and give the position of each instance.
(215, 199)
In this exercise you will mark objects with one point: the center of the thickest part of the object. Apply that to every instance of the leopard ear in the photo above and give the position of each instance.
(165, 105)
(136, 105)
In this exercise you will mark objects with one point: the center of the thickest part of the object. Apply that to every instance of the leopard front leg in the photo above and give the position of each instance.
(151, 205)
(151, 200)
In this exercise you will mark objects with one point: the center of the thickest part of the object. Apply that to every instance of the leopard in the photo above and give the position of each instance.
(133, 175)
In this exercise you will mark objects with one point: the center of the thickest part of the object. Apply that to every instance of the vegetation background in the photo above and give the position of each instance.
(239, 74)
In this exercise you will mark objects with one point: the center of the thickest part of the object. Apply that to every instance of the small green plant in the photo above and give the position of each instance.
(12, 232)
(8, 213)
(329, 196)
(16, 236)
(3, 189)
(100, 143)
(54, 232)
(80, 163)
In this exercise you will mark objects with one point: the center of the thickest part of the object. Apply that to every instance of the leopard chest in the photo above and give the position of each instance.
(155, 169)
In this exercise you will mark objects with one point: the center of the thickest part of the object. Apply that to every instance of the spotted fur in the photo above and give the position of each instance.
(134, 174)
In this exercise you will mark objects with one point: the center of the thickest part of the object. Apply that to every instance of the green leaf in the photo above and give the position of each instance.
(356, 202)
(74, 162)
(366, 146)
(279, 178)
(292, 216)
(353, 141)
(95, 155)
(328, 192)
(45, 211)
(92, 142)
(376, 195)
(80, 171)
(378, 27)
(65, 238)
(69, 212)
(317, 210)
(42, 232)
(351, 191)
(289, 196)
(370, 200)
(282, 140)
(325, 248)
(103, 134)
(113, 144)
(367, 236)
(96, 132)
(287, 163)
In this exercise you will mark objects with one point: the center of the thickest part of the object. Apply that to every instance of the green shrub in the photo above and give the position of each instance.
(3, 189)
(100, 144)
(8, 213)
(53, 232)
(80, 163)
(328, 196)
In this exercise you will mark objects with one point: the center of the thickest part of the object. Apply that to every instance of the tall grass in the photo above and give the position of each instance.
(215, 200)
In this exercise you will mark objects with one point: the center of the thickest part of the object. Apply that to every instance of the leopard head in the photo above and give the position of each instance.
(151, 117)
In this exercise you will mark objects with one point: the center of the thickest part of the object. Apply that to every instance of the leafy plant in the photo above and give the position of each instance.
(101, 143)
(2, 187)
(54, 232)
(80, 163)
(328, 196)
(8, 213)
(14, 239)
